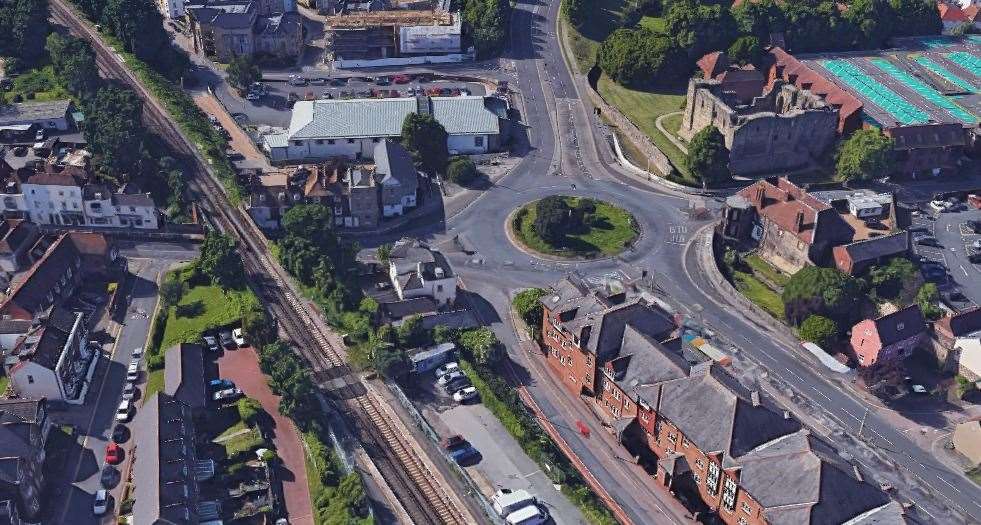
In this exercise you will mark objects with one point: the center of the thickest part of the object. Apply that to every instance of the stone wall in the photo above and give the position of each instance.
(654, 157)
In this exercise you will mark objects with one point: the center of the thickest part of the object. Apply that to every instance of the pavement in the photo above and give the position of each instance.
(242, 367)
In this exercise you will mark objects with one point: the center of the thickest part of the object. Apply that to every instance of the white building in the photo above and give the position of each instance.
(172, 8)
(320, 129)
(61, 199)
(52, 115)
(417, 271)
(52, 360)
(53, 199)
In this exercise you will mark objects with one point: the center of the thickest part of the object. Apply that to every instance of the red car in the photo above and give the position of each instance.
(401, 79)
(114, 453)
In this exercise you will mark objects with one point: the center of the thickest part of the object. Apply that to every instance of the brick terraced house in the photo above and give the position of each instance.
(696, 427)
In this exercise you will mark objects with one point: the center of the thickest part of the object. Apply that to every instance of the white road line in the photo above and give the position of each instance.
(856, 418)
(876, 432)
(768, 356)
(948, 483)
(530, 474)
(963, 270)
(799, 378)
(820, 393)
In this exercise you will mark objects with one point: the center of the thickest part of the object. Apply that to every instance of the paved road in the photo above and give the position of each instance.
(72, 492)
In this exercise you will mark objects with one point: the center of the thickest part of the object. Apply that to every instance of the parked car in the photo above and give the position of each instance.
(453, 375)
(137, 353)
(507, 501)
(382, 81)
(120, 434)
(101, 503)
(228, 394)
(976, 244)
(929, 241)
(452, 442)
(239, 337)
(457, 384)
(338, 81)
(401, 79)
(133, 372)
(114, 453)
(974, 258)
(465, 394)
(109, 476)
(465, 455)
(253, 96)
(452, 366)
(39, 136)
(211, 342)
(123, 411)
(296, 80)
(528, 515)
(221, 384)
(318, 81)
(225, 336)
(129, 390)
(939, 205)
(919, 389)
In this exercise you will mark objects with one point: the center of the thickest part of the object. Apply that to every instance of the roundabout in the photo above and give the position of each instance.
(563, 227)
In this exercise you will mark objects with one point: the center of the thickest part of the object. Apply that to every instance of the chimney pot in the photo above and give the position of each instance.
(800, 221)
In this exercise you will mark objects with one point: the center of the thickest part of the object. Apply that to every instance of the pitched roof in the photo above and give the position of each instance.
(54, 334)
(43, 276)
(713, 64)
(951, 13)
(792, 70)
(33, 111)
(971, 12)
(960, 324)
(876, 247)
(15, 232)
(645, 361)
(184, 374)
(20, 410)
(90, 243)
(134, 199)
(796, 211)
(392, 161)
(900, 325)
(465, 115)
(53, 179)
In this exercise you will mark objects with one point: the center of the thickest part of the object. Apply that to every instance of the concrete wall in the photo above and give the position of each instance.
(468, 144)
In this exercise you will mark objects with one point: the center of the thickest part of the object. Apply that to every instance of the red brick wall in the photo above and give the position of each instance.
(865, 342)
(576, 368)
(614, 400)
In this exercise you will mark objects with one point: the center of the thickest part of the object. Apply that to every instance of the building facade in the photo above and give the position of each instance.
(419, 271)
(53, 360)
(24, 428)
(225, 29)
(888, 339)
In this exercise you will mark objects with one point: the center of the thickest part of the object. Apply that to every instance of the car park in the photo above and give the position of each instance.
(101, 503)
(211, 342)
(221, 384)
(114, 453)
(318, 81)
(239, 337)
(452, 366)
(227, 394)
(124, 411)
(225, 336)
(382, 81)
(341, 81)
(296, 80)
(465, 394)
(450, 377)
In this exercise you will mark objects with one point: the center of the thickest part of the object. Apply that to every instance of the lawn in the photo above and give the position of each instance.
(759, 294)
(766, 270)
(643, 108)
(654, 23)
(4, 381)
(202, 308)
(243, 443)
(673, 124)
(154, 383)
(237, 426)
(585, 41)
(611, 230)
(37, 85)
(975, 474)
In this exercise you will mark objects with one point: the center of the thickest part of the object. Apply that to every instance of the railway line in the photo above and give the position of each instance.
(420, 491)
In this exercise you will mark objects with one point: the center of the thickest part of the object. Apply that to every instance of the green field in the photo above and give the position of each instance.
(643, 108)
(203, 308)
(611, 230)
(673, 124)
(586, 40)
(37, 85)
(656, 24)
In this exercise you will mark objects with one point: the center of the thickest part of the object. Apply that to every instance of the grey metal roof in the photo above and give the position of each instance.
(33, 111)
(184, 374)
(138, 199)
(465, 115)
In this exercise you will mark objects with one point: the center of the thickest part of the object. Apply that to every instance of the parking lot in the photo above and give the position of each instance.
(961, 289)
(272, 109)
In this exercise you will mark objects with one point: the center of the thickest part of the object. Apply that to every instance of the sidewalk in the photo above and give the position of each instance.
(242, 367)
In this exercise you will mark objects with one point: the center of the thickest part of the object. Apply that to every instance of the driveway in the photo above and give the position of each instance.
(242, 367)
(238, 141)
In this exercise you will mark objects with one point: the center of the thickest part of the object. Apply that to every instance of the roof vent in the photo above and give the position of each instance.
(786, 414)
(754, 397)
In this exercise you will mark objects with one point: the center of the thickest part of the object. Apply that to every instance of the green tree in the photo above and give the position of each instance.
(384, 252)
(462, 171)
(257, 327)
(892, 279)
(699, 28)
(411, 333)
(172, 290)
(114, 130)
(745, 50)
(816, 26)
(220, 261)
(23, 26)
(822, 291)
(138, 24)
(551, 214)
(74, 63)
(874, 22)
(242, 72)
(916, 17)
(927, 298)
(528, 306)
(577, 12)
(444, 334)
(708, 158)
(425, 138)
(249, 410)
(759, 19)
(641, 58)
(393, 363)
(867, 154)
(819, 330)
(368, 306)
(487, 22)
(482, 344)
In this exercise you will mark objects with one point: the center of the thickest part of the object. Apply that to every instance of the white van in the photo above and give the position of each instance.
(506, 502)
(527, 515)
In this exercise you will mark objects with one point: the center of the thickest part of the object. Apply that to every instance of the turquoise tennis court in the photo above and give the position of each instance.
(901, 109)
(967, 61)
(924, 90)
(945, 73)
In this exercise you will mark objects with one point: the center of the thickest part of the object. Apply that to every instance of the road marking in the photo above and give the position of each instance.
(948, 483)
(530, 474)
(876, 432)
(963, 270)
(799, 378)
(856, 418)
(821, 394)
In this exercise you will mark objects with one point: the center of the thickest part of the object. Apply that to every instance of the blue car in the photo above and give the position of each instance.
(221, 384)
(465, 455)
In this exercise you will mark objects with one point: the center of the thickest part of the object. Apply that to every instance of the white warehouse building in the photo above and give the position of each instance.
(321, 129)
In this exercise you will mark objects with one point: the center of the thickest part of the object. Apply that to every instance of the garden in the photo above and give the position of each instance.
(574, 227)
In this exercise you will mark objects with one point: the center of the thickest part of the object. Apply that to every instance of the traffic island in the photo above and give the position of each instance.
(567, 227)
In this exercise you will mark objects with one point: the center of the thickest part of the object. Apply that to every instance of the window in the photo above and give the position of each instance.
(743, 521)
(330, 142)
(572, 378)
(30, 380)
(644, 417)
(297, 142)
(700, 463)
(478, 142)
(696, 477)
(729, 494)
(350, 141)
(626, 404)
(684, 442)
(712, 481)
(376, 140)
(319, 141)
(746, 508)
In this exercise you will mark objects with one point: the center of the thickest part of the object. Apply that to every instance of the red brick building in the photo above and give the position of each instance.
(889, 338)
(697, 428)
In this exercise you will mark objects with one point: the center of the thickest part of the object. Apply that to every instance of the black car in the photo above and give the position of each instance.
(120, 434)
(109, 476)
(457, 384)
(929, 241)
(974, 258)
(225, 336)
(974, 225)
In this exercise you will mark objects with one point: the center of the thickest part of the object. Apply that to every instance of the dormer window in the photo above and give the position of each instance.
(900, 326)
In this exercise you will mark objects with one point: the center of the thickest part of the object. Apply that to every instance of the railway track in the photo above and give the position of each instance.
(420, 492)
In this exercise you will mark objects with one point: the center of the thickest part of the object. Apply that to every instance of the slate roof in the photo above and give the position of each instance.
(135, 199)
(900, 325)
(18, 411)
(645, 361)
(227, 14)
(783, 203)
(43, 276)
(606, 328)
(33, 111)
(392, 161)
(184, 374)
(960, 324)
(356, 118)
(15, 232)
(53, 179)
(15, 326)
(413, 306)
(876, 247)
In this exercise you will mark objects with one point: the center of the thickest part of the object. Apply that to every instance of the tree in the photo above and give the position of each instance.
(640, 58)
(74, 63)
(444, 334)
(249, 410)
(699, 28)
(487, 22)
(23, 26)
(411, 333)
(220, 261)
(916, 17)
(257, 327)
(708, 158)
(242, 72)
(114, 130)
(482, 344)
(819, 330)
(313, 223)
(759, 19)
(822, 291)
(425, 137)
(577, 11)
(384, 252)
(814, 27)
(745, 50)
(528, 306)
(462, 171)
(172, 290)
(867, 154)
(392, 363)
(551, 214)
(874, 22)
(138, 24)
(895, 277)
(927, 298)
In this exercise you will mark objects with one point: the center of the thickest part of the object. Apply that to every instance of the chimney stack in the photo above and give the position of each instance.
(800, 221)
(761, 196)
(754, 396)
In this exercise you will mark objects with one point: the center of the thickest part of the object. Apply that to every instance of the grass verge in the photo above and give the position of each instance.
(604, 18)
(243, 443)
(975, 474)
(611, 230)
(154, 383)
(203, 307)
(643, 108)
(766, 270)
(759, 293)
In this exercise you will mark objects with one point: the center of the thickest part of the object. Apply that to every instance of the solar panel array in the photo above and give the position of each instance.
(967, 61)
(875, 92)
(925, 91)
(945, 73)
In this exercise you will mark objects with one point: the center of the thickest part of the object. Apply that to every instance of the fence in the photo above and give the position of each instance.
(421, 422)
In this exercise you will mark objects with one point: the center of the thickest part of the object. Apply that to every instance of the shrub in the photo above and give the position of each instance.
(528, 307)
(461, 171)
(822, 291)
(819, 330)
